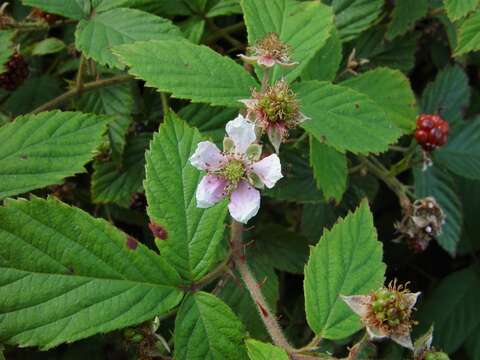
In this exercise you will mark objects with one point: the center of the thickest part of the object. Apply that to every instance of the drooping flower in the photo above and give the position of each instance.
(236, 172)
(386, 313)
(275, 110)
(268, 51)
(422, 221)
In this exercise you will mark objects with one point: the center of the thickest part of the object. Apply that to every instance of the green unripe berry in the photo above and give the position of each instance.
(437, 355)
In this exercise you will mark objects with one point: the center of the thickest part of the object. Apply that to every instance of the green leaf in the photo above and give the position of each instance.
(6, 47)
(225, 7)
(73, 9)
(326, 62)
(188, 71)
(117, 101)
(352, 17)
(114, 184)
(439, 184)
(390, 90)
(472, 345)
(193, 28)
(66, 276)
(452, 308)
(457, 9)
(238, 298)
(314, 18)
(469, 35)
(38, 90)
(404, 16)
(344, 118)
(448, 95)
(194, 234)
(283, 249)
(469, 194)
(97, 36)
(297, 184)
(48, 46)
(346, 261)
(40, 150)
(209, 120)
(397, 54)
(461, 154)
(258, 350)
(206, 328)
(330, 170)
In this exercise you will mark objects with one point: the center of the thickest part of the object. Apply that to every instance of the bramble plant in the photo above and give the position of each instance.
(239, 179)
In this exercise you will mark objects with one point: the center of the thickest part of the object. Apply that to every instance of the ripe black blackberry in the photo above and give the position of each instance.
(16, 71)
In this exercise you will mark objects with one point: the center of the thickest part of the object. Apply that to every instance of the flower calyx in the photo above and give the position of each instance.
(268, 51)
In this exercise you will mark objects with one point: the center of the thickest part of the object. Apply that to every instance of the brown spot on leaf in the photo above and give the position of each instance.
(357, 106)
(158, 231)
(132, 243)
(23, 157)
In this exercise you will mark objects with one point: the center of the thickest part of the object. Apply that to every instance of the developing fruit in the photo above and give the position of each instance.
(432, 131)
(16, 71)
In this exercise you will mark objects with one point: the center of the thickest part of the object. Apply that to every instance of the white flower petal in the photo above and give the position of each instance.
(358, 303)
(248, 59)
(403, 339)
(269, 170)
(244, 202)
(249, 103)
(242, 132)
(210, 190)
(207, 157)
(375, 334)
(411, 299)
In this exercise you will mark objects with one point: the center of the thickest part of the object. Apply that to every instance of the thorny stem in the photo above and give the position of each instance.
(86, 87)
(253, 288)
(81, 73)
(164, 100)
(237, 44)
(376, 168)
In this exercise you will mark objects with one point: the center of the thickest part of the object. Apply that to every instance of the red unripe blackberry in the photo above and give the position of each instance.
(15, 74)
(47, 17)
(431, 132)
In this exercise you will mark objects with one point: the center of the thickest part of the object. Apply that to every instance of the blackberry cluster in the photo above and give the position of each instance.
(432, 131)
(47, 17)
(15, 74)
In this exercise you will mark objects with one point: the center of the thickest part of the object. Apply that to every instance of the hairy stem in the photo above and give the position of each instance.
(253, 288)
(86, 87)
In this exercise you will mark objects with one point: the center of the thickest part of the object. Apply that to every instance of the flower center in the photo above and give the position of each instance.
(279, 104)
(390, 308)
(233, 171)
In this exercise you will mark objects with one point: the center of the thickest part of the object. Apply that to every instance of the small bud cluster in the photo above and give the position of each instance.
(432, 131)
(268, 51)
(15, 74)
(422, 222)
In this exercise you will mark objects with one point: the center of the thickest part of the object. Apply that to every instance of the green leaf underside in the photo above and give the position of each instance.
(40, 150)
(344, 118)
(48, 46)
(258, 350)
(456, 9)
(448, 95)
(73, 9)
(461, 154)
(452, 308)
(346, 261)
(285, 17)
(112, 183)
(439, 184)
(325, 63)
(354, 16)
(118, 101)
(207, 329)
(193, 234)
(6, 47)
(391, 91)
(66, 276)
(404, 16)
(97, 36)
(188, 71)
(469, 35)
(329, 169)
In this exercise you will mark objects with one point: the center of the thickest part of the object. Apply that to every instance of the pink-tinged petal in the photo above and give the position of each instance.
(266, 60)
(375, 334)
(242, 132)
(411, 299)
(248, 59)
(249, 103)
(244, 202)
(288, 64)
(210, 190)
(358, 303)
(269, 170)
(301, 118)
(207, 157)
(403, 339)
